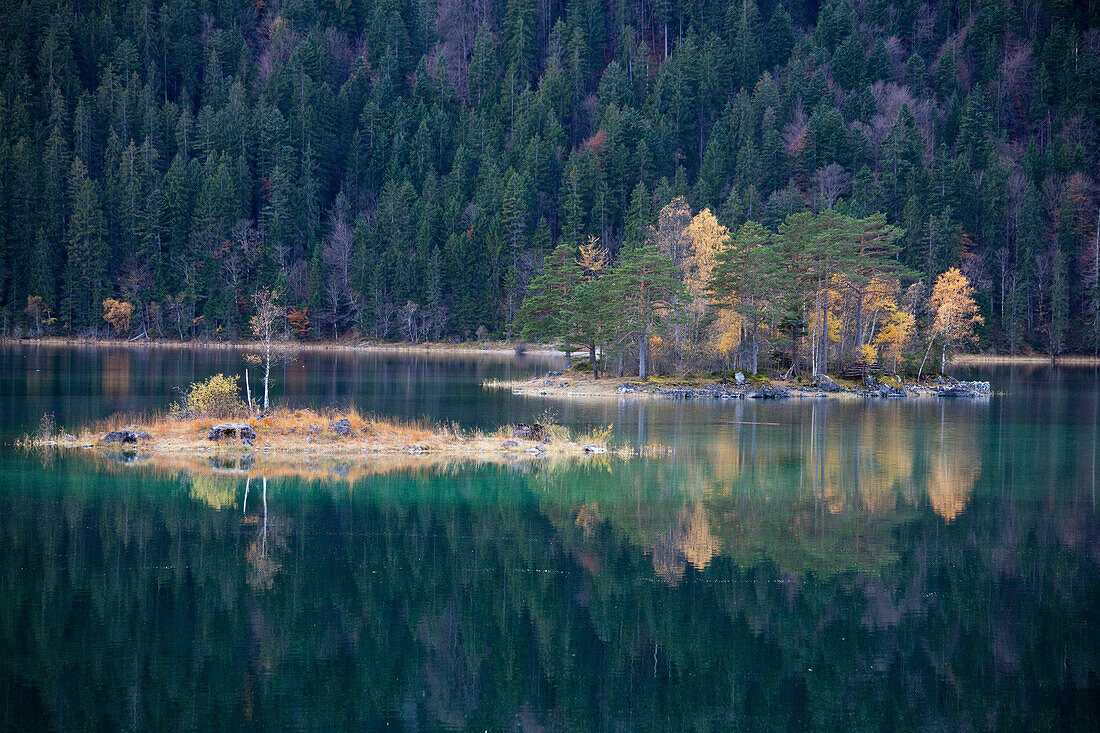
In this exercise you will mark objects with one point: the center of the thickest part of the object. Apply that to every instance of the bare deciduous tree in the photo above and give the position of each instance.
(832, 182)
(264, 322)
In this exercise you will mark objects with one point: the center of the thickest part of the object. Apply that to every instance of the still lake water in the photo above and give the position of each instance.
(797, 565)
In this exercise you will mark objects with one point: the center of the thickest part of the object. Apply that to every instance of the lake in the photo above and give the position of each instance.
(806, 564)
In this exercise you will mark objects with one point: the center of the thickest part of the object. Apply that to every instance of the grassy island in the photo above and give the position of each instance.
(211, 421)
(284, 435)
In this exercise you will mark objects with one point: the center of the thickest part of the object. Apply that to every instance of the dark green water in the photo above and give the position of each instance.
(804, 565)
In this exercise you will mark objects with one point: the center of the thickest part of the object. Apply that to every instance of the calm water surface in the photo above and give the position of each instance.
(799, 565)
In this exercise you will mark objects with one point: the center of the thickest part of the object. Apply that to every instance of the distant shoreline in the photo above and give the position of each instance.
(438, 347)
(478, 347)
(1023, 360)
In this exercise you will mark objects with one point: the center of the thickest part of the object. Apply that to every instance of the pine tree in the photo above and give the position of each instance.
(547, 311)
(641, 291)
(86, 255)
(519, 41)
(747, 51)
(748, 278)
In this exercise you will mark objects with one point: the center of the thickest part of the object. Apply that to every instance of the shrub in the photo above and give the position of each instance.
(47, 426)
(599, 435)
(218, 397)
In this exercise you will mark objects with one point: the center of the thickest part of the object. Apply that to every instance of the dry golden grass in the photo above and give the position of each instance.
(288, 435)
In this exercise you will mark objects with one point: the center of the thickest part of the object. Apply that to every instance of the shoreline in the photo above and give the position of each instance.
(582, 387)
(978, 360)
(488, 348)
(495, 348)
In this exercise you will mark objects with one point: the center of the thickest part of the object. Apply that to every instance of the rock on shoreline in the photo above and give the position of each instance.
(822, 386)
(241, 430)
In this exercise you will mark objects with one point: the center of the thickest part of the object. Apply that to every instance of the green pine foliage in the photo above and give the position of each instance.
(181, 154)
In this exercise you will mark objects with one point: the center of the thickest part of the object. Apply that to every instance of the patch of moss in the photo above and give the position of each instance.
(891, 381)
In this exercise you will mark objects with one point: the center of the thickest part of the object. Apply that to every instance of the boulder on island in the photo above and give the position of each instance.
(530, 431)
(239, 430)
(121, 436)
(341, 427)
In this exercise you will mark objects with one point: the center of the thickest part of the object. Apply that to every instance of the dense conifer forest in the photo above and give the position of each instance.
(403, 169)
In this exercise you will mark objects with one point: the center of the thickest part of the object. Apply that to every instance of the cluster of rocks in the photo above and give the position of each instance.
(126, 435)
(949, 387)
(241, 430)
(710, 391)
(822, 385)
(531, 431)
(341, 427)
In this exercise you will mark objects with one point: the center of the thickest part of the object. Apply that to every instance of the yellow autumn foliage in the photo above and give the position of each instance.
(217, 397)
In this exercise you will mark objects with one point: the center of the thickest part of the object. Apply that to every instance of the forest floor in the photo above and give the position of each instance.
(286, 438)
(575, 385)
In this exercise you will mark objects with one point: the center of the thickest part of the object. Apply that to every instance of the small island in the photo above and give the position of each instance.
(572, 384)
(211, 420)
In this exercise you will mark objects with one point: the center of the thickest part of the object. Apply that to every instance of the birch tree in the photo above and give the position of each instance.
(264, 322)
(955, 314)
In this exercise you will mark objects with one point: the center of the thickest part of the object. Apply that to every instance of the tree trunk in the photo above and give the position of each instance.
(643, 344)
(755, 344)
(592, 356)
(267, 369)
(926, 353)
(943, 357)
(859, 317)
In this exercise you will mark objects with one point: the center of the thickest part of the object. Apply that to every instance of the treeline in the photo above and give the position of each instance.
(400, 170)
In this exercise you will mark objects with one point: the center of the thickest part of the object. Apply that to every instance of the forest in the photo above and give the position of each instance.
(411, 170)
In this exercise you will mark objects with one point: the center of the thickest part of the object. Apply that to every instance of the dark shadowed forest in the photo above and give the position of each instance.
(401, 170)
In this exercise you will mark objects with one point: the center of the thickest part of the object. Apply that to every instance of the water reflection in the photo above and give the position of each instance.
(592, 594)
(808, 565)
(82, 384)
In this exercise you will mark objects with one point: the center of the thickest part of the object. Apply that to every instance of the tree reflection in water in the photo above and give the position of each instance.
(799, 581)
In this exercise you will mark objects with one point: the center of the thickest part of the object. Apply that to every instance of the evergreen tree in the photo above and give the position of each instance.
(548, 310)
(86, 254)
(749, 278)
(643, 287)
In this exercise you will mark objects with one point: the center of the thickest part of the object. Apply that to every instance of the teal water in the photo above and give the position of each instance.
(801, 565)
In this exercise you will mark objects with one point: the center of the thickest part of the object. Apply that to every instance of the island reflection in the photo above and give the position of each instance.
(854, 568)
